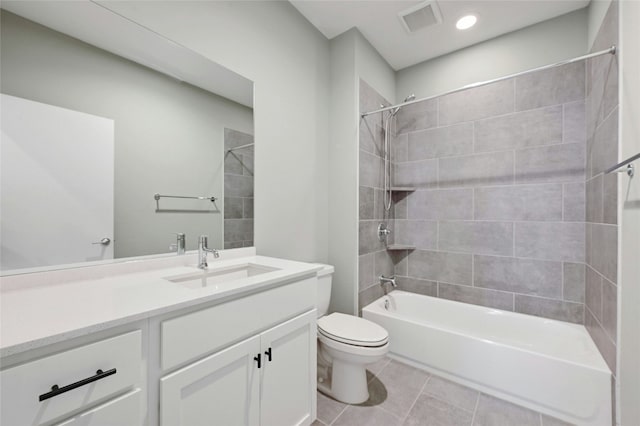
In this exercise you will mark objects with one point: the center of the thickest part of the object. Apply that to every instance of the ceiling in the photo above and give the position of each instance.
(378, 21)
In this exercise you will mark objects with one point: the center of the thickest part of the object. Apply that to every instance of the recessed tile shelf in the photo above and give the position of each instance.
(403, 188)
(395, 247)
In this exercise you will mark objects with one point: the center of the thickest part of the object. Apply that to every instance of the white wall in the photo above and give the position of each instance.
(343, 178)
(596, 12)
(629, 219)
(550, 41)
(288, 60)
(352, 58)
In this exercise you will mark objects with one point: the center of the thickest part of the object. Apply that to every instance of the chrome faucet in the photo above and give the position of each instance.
(180, 246)
(390, 280)
(203, 250)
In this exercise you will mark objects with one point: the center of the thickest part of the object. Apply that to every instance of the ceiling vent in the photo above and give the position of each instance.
(420, 16)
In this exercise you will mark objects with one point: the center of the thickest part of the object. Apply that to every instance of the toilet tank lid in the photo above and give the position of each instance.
(326, 269)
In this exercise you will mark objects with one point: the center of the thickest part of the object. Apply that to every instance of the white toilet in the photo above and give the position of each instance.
(346, 345)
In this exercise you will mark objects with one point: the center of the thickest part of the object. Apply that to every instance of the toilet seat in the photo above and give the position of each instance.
(351, 330)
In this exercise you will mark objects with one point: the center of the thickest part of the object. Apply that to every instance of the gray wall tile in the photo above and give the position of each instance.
(383, 265)
(574, 202)
(370, 99)
(247, 208)
(603, 152)
(371, 136)
(551, 241)
(551, 87)
(368, 237)
(476, 237)
(534, 277)
(478, 103)
(441, 142)
(234, 138)
(453, 204)
(594, 199)
(549, 308)
(366, 274)
(401, 261)
(610, 309)
(415, 285)
(422, 234)
(365, 202)
(555, 163)
(400, 205)
(476, 296)
(573, 282)
(419, 116)
(606, 347)
(440, 266)
(400, 148)
(603, 93)
(232, 208)
(232, 244)
(420, 174)
(593, 292)
(238, 186)
(233, 163)
(574, 129)
(610, 198)
(238, 229)
(494, 168)
(369, 295)
(371, 170)
(520, 130)
(521, 202)
(604, 250)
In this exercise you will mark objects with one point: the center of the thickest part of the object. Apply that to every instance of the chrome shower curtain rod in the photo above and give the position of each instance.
(611, 50)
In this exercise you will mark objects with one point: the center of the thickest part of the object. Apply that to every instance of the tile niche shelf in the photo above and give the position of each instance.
(397, 247)
(402, 189)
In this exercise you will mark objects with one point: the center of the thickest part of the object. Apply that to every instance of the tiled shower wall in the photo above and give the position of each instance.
(602, 224)
(238, 190)
(373, 258)
(497, 215)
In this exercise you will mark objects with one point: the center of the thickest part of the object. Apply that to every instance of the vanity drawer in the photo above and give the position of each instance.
(22, 387)
(190, 336)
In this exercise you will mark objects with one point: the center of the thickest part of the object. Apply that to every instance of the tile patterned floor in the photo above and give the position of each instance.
(403, 395)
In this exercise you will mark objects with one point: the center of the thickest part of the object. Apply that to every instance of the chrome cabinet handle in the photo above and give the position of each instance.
(105, 241)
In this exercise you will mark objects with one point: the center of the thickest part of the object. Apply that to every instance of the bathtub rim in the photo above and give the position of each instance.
(375, 307)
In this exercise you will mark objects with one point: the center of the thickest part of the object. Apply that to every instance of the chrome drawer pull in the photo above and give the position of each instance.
(55, 390)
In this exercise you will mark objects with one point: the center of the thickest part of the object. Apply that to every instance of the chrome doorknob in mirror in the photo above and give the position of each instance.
(105, 241)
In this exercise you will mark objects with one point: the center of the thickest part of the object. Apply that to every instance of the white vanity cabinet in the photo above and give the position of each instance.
(266, 380)
(56, 387)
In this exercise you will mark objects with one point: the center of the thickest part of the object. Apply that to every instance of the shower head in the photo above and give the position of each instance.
(407, 99)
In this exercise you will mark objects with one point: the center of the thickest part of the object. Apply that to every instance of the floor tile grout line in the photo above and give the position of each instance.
(341, 413)
(475, 409)
(424, 385)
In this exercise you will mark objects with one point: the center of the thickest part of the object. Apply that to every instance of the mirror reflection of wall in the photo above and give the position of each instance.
(168, 138)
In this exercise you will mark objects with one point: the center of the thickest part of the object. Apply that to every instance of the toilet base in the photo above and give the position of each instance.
(347, 383)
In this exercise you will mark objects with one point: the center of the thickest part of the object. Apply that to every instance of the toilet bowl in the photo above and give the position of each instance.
(346, 345)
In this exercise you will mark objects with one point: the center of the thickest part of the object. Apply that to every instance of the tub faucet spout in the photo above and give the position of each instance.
(391, 280)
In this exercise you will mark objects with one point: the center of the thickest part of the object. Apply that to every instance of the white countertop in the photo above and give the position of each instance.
(45, 308)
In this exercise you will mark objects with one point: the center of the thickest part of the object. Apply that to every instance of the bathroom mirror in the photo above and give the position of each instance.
(106, 128)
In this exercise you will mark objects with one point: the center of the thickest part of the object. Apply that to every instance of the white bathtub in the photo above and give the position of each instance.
(549, 366)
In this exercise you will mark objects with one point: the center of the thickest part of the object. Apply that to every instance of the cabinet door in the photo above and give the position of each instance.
(120, 411)
(222, 389)
(288, 388)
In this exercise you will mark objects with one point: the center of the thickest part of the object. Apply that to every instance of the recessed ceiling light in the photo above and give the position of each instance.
(466, 22)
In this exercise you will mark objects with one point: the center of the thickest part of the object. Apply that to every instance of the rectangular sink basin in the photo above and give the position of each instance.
(220, 276)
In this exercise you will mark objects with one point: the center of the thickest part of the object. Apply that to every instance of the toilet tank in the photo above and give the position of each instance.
(324, 289)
